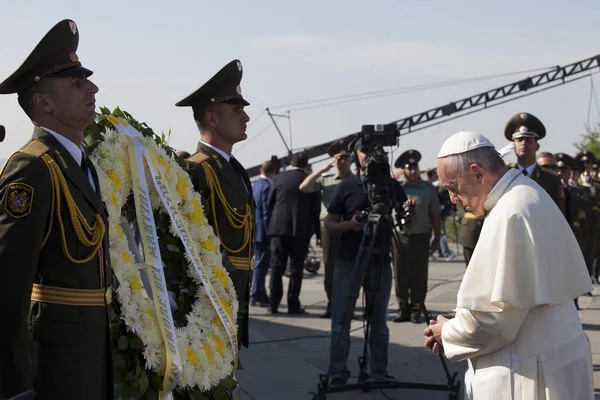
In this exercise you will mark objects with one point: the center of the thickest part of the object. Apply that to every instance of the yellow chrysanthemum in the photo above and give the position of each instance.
(226, 306)
(119, 230)
(115, 180)
(182, 185)
(113, 199)
(221, 275)
(136, 285)
(192, 356)
(209, 354)
(217, 321)
(219, 344)
(208, 245)
(197, 216)
(164, 163)
(126, 258)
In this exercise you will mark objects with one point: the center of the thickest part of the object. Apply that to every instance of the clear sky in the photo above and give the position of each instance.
(147, 55)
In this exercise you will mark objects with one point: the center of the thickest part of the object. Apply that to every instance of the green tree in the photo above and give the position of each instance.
(590, 141)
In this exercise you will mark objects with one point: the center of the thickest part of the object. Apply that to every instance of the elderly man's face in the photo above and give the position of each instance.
(466, 188)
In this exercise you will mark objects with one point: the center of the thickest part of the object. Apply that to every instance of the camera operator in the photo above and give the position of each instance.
(349, 198)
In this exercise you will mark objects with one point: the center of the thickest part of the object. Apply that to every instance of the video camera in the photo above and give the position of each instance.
(377, 173)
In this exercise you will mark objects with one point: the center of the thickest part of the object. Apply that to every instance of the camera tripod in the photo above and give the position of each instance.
(367, 273)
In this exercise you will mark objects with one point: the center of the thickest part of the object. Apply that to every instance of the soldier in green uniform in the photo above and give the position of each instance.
(417, 238)
(325, 182)
(218, 108)
(55, 273)
(525, 130)
(468, 235)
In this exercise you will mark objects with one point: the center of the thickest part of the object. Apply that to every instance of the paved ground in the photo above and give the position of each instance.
(287, 354)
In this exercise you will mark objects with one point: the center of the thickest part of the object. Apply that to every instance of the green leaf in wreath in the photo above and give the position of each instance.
(135, 342)
(123, 343)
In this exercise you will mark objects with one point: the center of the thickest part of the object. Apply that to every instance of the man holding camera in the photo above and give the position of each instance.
(349, 198)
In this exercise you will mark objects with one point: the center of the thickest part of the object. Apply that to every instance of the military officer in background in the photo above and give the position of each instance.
(325, 182)
(55, 275)
(411, 290)
(525, 130)
(218, 108)
(547, 162)
(588, 160)
(468, 234)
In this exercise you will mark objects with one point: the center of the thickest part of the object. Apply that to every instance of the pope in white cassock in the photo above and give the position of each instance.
(515, 322)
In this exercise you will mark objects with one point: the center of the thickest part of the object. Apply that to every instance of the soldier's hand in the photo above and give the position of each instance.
(328, 166)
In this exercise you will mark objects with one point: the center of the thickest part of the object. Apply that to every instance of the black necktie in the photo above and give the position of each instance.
(241, 171)
(525, 172)
(85, 164)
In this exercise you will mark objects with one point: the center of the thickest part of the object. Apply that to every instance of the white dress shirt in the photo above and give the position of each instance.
(221, 152)
(529, 169)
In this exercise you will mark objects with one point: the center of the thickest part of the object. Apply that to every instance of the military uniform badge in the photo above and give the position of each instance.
(19, 200)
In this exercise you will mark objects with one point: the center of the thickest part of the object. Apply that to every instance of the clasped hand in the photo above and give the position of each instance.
(433, 335)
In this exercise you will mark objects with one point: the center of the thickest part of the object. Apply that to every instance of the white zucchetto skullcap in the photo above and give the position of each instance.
(462, 142)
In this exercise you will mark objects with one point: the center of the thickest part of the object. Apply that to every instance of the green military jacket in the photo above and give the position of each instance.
(237, 246)
(551, 184)
(55, 324)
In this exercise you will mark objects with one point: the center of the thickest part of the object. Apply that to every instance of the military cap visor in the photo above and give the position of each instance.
(223, 87)
(408, 158)
(524, 125)
(339, 148)
(54, 56)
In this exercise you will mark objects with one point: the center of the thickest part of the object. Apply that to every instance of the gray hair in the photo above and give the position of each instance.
(487, 157)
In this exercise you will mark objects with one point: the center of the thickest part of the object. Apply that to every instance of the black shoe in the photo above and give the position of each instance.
(262, 304)
(415, 317)
(272, 311)
(337, 382)
(402, 317)
(297, 311)
(327, 315)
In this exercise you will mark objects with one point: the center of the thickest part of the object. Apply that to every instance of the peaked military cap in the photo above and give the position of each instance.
(586, 157)
(409, 157)
(339, 148)
(223, 87)
(564, 160)
(55, 55)
(524, 125)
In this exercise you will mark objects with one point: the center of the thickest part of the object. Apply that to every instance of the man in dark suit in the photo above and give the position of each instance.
(262, 254)
(525, 130)
(55, 274)
(290, 228)
(218, 108)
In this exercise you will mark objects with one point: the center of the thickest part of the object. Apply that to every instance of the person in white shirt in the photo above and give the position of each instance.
(515, 321)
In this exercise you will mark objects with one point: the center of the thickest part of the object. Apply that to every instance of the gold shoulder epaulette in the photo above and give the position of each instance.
(198, 158)
(35, 148)
(511, 164)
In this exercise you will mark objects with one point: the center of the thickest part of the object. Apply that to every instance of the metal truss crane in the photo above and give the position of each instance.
(547, 80)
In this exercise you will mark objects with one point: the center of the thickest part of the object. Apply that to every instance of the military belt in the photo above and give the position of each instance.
(71, 297)
(242, 263)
